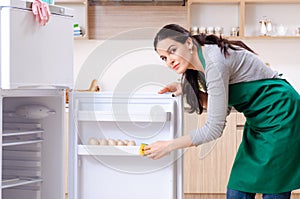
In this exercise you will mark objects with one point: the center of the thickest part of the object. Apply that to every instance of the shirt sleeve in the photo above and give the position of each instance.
(217, 79)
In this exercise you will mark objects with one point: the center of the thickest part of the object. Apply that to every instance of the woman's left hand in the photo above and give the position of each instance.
(157, 149)
(41, 11)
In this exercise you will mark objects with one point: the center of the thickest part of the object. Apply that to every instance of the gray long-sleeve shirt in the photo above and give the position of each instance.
(239, 66)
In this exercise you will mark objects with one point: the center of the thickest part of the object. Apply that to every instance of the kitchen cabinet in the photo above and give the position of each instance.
(207, 167)
(281, 17)
(80, 8)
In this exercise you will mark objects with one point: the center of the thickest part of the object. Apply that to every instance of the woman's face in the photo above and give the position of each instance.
(176, 55)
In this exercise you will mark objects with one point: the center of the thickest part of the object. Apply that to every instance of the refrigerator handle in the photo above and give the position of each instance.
(53, 9)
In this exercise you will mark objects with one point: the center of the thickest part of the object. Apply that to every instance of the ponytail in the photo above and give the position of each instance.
(223, 44)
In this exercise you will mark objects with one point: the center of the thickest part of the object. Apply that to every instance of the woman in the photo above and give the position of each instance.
(217, 74)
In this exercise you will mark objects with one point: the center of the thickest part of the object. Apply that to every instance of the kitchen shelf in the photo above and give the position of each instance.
(272, 37)
(202, 13)
(122, 117)
(14, 182)
(109, 150)
(247, 14)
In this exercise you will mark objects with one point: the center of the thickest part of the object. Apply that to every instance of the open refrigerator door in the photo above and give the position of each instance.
(106, 133)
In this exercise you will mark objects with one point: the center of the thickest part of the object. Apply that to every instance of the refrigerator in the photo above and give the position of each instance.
(36, 67)
(105, 154)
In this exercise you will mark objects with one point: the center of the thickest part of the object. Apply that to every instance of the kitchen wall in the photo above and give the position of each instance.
(283, 55)
(111, 61)
(120, 65)
(121, 47)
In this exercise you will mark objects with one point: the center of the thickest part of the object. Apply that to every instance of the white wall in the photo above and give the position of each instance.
(283, 56)
(133, 65)
(119, 65)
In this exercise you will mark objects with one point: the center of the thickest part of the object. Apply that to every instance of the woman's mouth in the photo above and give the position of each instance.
(175, 66)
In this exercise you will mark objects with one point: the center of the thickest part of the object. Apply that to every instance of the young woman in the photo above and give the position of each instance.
(218, 74)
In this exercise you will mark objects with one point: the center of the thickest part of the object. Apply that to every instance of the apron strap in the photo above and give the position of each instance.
(200, 55)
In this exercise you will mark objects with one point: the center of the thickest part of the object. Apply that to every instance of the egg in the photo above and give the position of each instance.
(120, 143)
(93, 141)
(112, 142)
(131, 143)
(103, 141)
(126, 142)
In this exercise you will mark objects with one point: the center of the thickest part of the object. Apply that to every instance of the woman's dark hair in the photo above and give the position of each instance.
(193, 85)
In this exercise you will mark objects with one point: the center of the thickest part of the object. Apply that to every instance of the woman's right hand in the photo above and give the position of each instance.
(41, 11)
(174, 87)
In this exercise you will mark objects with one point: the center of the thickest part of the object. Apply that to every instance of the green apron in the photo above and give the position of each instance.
(268, 159)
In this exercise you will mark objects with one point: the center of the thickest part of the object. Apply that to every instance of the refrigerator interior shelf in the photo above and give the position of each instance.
(20, 132)
(122, 117)
(13, 182)
(109, 150)
(15, 142)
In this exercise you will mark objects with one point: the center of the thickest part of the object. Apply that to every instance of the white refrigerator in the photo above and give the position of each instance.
(36, 65)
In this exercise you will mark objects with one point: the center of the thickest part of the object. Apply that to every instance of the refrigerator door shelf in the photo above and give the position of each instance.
(123, 117)
(109, 150)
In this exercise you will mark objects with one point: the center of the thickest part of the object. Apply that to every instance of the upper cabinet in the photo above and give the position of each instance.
(245, 18)
(80, 8)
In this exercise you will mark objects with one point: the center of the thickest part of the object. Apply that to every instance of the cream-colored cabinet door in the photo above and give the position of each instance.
(207, 167)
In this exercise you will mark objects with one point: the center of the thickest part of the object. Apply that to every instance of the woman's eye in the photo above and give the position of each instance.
(172, 50)
(164, 59)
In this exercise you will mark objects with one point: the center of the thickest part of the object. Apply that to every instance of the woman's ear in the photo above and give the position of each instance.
(190, 43)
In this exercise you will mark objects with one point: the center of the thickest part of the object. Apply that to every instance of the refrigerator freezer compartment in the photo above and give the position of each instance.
(109, 150)
(123, 117)
(33, 150)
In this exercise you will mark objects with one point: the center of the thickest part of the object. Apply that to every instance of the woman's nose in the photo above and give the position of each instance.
(170, 62)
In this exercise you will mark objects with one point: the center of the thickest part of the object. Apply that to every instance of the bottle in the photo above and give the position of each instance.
(263, 26)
